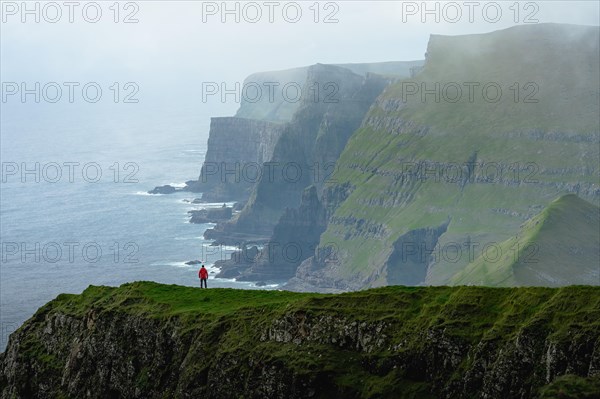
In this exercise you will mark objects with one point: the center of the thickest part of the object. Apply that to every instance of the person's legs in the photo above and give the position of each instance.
(203, 280)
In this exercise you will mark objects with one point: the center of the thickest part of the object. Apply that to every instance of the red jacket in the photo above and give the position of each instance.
(203, 273)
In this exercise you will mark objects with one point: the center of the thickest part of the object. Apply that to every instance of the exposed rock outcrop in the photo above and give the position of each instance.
(166, 189)
(211, 215)
(294, 239)
(237, 149)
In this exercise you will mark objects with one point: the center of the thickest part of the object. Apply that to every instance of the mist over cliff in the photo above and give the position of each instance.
(424, 169)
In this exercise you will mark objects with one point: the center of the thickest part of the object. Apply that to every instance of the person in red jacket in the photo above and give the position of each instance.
(203, 275)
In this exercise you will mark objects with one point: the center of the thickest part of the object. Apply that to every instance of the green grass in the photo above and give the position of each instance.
(462, 307)
(414, 307)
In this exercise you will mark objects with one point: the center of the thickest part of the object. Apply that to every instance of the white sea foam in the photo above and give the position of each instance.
(225, 280)
(214, 204)
(209, 266)
(229, 247)
(173, 264)
(268, 286)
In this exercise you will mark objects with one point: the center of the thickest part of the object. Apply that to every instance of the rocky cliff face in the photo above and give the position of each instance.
(421, 159)
(146, 340)
(295, 238)
(237, 148)
(332, 108)
(236, 144)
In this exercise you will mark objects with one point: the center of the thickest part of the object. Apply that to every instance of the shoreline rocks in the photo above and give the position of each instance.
(166, 189)
(211, 215)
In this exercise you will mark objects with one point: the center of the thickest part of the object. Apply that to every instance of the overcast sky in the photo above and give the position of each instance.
(176, 45)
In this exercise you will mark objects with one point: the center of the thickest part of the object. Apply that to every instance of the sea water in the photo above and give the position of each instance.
(60, 235)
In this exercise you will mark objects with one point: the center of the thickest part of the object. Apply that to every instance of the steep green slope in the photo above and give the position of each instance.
(147, 340)
(482, 167)
(559, 246)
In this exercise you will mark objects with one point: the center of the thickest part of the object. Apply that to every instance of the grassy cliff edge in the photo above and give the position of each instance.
(151, 340)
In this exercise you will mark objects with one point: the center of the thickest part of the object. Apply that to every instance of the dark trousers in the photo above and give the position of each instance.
(203, 280)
